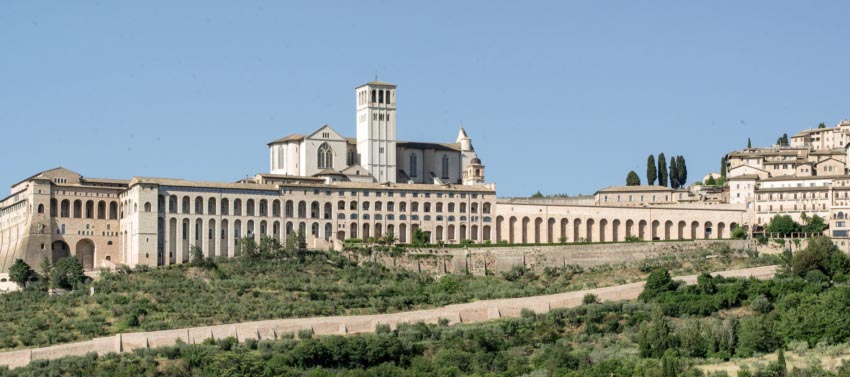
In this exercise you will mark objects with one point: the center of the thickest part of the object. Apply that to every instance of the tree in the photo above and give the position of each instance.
(822, 125)
(780, 360)
(20, 272)
(723, 167)
(296, 244)
(683, 171)
(655, 336)
(820, 255)
(651, 171)
(782, 141)
(814, 224)
(248, 246)
(197, 255)
(674, 173)
(749, 143)
(659, 281)
(632, 179)
(67, 273)
(710, 181)
(783, 225)
(662, 170)
(537, 194)
(420, 237)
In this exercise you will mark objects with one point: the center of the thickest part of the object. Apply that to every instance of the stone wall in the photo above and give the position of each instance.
(341, 325)
(481, 260)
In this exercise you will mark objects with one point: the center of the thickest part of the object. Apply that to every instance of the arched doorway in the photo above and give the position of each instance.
(85, 253)
(59, 250)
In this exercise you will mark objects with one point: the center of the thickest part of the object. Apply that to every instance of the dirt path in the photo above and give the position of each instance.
(341, 325)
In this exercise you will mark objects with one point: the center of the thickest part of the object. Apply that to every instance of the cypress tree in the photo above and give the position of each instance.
(723, 167)
(662, 170)
(749, 143)
(632, 179)
(674, 173)
(683, 171)
(651, 172)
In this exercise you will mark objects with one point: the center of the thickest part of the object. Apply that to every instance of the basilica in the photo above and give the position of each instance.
(330, 188)
(375, 155)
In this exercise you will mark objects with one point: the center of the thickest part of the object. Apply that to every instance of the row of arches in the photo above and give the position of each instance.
(82, 210)
(84, 251)
(305, 209)
(552, 230)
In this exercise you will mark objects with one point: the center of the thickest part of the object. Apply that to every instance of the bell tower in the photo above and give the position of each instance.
(376, 133)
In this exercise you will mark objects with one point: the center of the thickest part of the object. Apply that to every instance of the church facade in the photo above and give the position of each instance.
(375, 155)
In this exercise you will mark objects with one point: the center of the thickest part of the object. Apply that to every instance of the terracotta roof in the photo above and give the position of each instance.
(381, 83)
(293, 137)
(635, 189)
(744, 177)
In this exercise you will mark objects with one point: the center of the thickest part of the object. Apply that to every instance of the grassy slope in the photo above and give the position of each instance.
(324, 284)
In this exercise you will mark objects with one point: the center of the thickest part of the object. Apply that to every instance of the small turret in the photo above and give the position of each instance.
(464, 141)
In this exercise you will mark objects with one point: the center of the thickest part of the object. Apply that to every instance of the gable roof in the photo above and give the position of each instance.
(288, 138)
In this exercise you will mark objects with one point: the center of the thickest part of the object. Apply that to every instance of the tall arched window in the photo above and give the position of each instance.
(374, 94)
(445, 167)
(412, 164)
(326, 156)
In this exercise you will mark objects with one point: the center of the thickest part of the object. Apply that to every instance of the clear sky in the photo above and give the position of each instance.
(562, 97)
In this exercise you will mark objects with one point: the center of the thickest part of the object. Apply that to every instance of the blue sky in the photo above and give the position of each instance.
(562, 97)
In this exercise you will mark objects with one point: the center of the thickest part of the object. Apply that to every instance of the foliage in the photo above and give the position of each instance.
(632, 179)
(782, 225)
(651, 170)
(420, 237)
(682, 169)
(739, 233)
(821, 125)
(674, 173)
(711, 181)
(590, 299)
(820, 255)
(67, 273)
(782, 141)
(296, 244)
(20, 272)
(659, 281)
(662, 170)
(814, 224)
(723, 167)
(749, 143)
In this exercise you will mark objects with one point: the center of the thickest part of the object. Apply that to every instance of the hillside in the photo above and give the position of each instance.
(323, 283)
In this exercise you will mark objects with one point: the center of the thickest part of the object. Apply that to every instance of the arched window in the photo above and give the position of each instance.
(326, 157)
(388, 98)
(445, 167)
(412, 164)
(381, 96)
(41, 208)
(373, 95)
(147, 206)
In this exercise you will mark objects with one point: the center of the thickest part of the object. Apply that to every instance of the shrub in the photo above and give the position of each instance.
(590, 299)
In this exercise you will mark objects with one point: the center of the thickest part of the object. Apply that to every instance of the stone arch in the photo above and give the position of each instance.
(302, 209)
(525, 222)
(450, 235)
(512, 230)
(89, 209)
(550, 231)
(615, 230)
(680, 231)
(576, 230)
(314, 210)
(78, 209)
(499, 223)
(328, 231)
(721, 230)
(708, 229)
(629, 225)
(588, 235)
(352, 232)
(402, 233)
(538, 223)
(211, 238)
(328, 212)
(486, 236)
(642, 230)
(65, 209)
(199, 205)
(439, 233)
(84, 252)
(654, 231)
(101, 210)
(462, 234)
(58, 250)
(474, 233)
(603, 227)
(694, 230)
(668, 230)
(564, 224)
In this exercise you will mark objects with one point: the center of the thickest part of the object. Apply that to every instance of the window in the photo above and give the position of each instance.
(326, 157)
(445, 167)
(412, 165)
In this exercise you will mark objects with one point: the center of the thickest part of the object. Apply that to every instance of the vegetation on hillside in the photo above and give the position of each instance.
(673, 330)
(273, 282)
